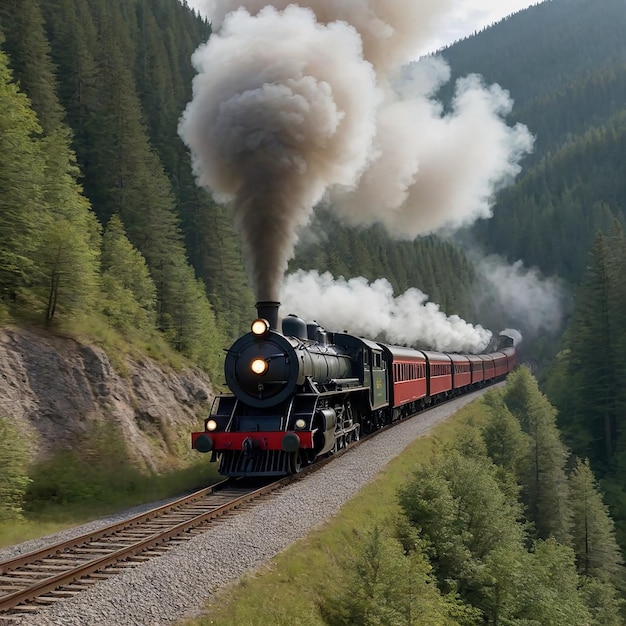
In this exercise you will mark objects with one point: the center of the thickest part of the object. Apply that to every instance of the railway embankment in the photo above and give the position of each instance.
(56, 390)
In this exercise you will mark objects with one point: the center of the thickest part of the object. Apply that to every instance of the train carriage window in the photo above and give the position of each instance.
(366, 357)
(376, 360)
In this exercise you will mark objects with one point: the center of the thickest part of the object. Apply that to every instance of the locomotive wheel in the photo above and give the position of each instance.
(295, 463)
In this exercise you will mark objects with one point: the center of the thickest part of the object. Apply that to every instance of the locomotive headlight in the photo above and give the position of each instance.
(211, 425)
(300, 424)
(260, 327)
(259, 366)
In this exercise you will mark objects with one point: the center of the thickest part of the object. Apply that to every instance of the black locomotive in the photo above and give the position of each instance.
(305, 392)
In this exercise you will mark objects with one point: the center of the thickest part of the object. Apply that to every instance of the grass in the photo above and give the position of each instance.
(95, 329)
(43, 518)
(286, 591)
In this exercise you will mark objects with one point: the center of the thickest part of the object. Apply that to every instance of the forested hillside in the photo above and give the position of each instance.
(564, 64)
(108, 82)
(101, 216)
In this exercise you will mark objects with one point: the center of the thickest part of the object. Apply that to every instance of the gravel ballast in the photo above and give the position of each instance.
(176, 585)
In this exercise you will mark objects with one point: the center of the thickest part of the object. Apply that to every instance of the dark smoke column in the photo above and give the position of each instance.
(283, 108)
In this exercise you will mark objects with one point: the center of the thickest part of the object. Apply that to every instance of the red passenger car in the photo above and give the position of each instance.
(500, 364)
(511, 358)
(478, 372)
(407, 380)
(488, 367)
(461, 371)
(439, 373)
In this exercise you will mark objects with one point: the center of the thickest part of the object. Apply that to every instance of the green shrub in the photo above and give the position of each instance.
(96, 469)
(14, 458)
(99, 475)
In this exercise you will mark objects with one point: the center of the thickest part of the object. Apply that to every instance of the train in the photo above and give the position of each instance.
(303, 392)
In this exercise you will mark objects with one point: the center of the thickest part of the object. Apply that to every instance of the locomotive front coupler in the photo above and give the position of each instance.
(250, 447)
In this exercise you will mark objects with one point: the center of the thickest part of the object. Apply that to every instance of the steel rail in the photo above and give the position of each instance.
(75, 572)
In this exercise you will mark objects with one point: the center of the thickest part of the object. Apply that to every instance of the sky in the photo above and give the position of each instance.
(464, 19)
(469, 16)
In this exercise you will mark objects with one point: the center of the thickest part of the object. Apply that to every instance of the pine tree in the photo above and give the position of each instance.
(549, 593)
(384, 585)
(188, 320)
(215, 253)
(130, 294)
(68, 255)
(506, 443)
(21, 180)
(597, 552)
(592, 426)
(74, 42)
(29, 51)
(617, 271)
(544, 488)
(459, 508)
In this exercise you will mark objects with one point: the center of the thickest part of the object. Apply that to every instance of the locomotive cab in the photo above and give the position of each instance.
(370, 367)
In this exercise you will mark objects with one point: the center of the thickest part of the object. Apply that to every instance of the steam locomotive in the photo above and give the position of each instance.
(304, 392)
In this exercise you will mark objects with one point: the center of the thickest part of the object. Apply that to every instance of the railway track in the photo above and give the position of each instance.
(62, 570)
(43, 577)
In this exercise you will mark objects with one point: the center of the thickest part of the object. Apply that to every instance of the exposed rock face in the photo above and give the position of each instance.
(56, 389)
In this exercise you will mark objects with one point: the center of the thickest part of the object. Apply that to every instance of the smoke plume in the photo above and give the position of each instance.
(283, 107)
(531, 301)
(392, 31)
(433, 170)
(295, 104)
(409, 319)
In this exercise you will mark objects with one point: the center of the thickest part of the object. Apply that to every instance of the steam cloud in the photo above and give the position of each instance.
(407, 319)
(531, 300)
(295, 104)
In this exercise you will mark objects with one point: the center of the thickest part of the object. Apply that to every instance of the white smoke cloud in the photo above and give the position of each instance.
(392, 31)
(295, 103)
(441, 23)
(371, 310)
(435, 170)
(283, 107)
(532, 301)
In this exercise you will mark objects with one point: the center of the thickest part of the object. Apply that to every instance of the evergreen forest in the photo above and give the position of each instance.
(102, 225)
(498, 525)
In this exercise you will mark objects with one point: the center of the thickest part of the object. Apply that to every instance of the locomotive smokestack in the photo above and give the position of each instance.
(268, 309)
